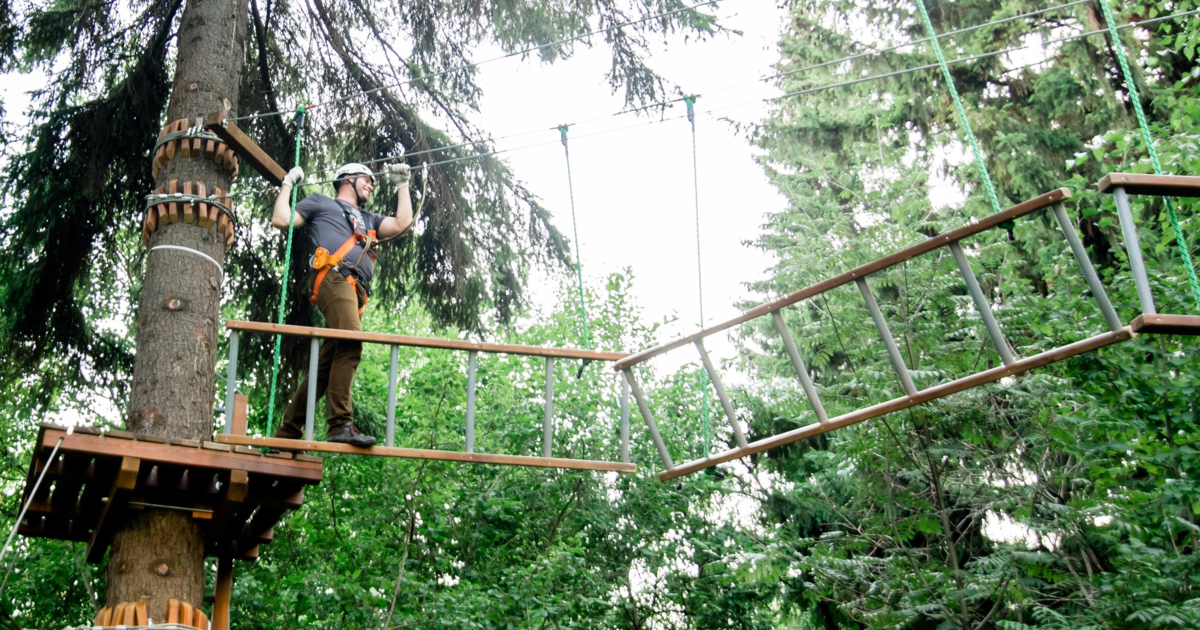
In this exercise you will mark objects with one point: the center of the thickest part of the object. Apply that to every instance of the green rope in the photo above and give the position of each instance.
(287, 263)
(691, 115)
(587, 343)
(958, 106)
(1131, 85)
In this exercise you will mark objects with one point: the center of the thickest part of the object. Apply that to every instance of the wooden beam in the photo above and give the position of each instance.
(904, 402)
(241, 411)
(246, 148)
(118, 497)
(420, 453)
(1166, 324)
(971, 229)
(422, 342)
(223, 520)
(150, 452)
(1147, 184)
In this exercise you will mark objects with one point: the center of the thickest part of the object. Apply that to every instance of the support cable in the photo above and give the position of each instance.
(958, 106)
(476, 64)
(562, 130)
(1131, 85)
(283, 289)
(815, 89)
(690, 100)
(25, 508)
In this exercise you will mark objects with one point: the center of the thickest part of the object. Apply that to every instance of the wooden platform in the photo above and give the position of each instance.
(1166, 324)
(420, 453)
(1147, 184)
(97, 481)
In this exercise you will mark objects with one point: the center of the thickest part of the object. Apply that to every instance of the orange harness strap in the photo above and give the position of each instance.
(333, 260)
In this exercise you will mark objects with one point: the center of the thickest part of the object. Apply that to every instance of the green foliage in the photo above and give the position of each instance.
(1062, 498)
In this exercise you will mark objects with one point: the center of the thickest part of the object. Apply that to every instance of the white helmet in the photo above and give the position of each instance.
(353, 168)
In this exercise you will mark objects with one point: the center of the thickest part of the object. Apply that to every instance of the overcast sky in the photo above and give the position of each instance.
(633, 179)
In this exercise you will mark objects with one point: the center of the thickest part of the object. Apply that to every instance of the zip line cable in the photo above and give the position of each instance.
(562, 129)
(480, 63)
(284, 286)
(811, 90)
(958, 106)
(1131, 85)
(690, 100)
(880, 51)
(815, 89)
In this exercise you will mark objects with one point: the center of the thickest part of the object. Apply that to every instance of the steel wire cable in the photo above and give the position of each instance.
(468, 66)
(819, 88)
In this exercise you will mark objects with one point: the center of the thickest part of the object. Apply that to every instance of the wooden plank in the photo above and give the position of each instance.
(246, 148)
(1147, 184)
(419, 453)
(104, 617)
(241, 411)
(173, 206)
(204, 219)
(1166, 324)
(139, 614)
(222, 593)
(186, 613)
(201, 620)
(189, 214)
(172, 610)
(104, 527)
(309, 472)
(897, 404)
(971, 229)
(422, 342)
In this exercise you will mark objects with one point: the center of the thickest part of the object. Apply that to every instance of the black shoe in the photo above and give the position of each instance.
(349, 434)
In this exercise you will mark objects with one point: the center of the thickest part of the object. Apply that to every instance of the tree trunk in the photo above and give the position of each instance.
(160, 554)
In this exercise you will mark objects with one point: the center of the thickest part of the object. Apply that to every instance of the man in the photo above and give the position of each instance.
(342, 284)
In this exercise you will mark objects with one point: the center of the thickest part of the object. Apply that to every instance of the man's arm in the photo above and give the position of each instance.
(394, 226)
(283, 201)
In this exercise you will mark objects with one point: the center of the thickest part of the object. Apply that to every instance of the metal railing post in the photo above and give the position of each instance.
(1133, 249)
(981, 304)
(548, 420)
(472, 367)
(624, 421)
(231, 382)
(310, 409)
(809, 389)
(390, 436)
(1085, 265)
(650, 425)
(726, 404)
(886, 335)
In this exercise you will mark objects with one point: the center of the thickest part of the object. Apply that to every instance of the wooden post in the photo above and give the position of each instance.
(222, 593)
(241, 409)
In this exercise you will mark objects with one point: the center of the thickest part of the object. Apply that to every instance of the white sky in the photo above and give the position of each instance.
(634, 197)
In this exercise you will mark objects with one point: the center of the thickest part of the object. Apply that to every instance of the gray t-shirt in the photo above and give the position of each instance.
(329, 221)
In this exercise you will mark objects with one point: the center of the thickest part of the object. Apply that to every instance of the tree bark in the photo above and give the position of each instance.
(160, 554)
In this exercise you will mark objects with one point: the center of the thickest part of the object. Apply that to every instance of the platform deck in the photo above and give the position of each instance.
(97, 481)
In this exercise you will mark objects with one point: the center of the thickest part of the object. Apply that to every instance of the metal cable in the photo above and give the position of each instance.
(690, 100)
(480, 63)
(562, 129)
(25, 508)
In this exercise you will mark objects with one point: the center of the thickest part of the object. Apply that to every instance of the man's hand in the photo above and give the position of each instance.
(293, 176)
(399, 174)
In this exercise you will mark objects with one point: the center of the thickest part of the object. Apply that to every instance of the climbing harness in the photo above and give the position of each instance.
(690, 100)
(300, 110)
(323, 261)
(1131, 85)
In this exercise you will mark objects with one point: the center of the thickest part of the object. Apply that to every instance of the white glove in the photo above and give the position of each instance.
(293, 176)
(398, 173)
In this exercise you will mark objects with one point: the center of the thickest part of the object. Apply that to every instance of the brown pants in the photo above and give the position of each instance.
(337, 362)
